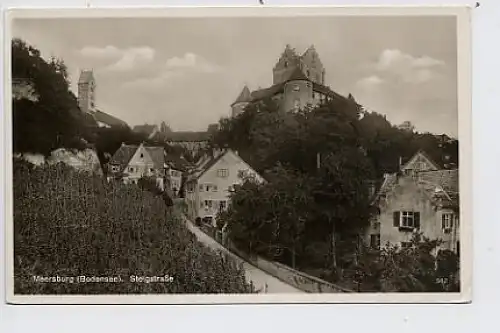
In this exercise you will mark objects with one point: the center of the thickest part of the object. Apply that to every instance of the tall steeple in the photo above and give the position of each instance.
(86, 91)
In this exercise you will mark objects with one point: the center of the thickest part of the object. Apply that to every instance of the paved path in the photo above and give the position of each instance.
(259, 278)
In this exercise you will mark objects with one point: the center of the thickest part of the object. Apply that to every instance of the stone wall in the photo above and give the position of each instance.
(290, 276)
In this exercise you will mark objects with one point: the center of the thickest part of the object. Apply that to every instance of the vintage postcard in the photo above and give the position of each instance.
(238, 155)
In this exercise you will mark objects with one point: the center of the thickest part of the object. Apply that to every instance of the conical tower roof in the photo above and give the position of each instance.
(244, 96)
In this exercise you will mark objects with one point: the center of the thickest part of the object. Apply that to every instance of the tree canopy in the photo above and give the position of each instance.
(320, 164)
(54, 119)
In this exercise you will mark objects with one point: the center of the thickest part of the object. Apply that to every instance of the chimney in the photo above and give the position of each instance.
(400, 162)
(318, 160)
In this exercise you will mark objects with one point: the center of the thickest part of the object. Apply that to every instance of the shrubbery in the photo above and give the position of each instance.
(70, 224)
(416, 268)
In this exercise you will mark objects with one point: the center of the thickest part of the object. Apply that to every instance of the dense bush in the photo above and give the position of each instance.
(413, 269)
(70, 224)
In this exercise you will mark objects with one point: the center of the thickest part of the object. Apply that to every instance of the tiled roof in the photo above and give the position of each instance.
(439, 184)
(86, 76)
(176, 162)
(157, 155)
(146, 129)
(123, 155)
(188, 136)
(108, 119)
(295, 75)
(268, 92)
(389, 181)
(205, 165)
(244, 96)
(447, 180)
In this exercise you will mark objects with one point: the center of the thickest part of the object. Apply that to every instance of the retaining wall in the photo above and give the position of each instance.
(297, 279)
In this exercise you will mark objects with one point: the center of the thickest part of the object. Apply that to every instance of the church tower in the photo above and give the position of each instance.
(86, 91)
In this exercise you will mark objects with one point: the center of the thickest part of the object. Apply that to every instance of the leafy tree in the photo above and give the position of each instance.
(412, 269)
(54, 120)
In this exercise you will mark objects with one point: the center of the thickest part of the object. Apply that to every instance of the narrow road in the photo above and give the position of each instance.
(262, 281)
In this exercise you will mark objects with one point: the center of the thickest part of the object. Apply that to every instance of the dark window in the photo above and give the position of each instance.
(406, 245)
(447, 222)
(406, 220)
(142, 155)
(375, 241)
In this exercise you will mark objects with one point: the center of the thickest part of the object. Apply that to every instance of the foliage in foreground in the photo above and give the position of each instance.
(413, 269)
(71, 224)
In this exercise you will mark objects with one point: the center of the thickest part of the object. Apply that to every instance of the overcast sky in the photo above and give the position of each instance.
(187, 72)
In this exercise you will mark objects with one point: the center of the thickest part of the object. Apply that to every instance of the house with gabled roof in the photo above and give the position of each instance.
(419, 162)
(132, 162)
(210, 184)
(420, 198)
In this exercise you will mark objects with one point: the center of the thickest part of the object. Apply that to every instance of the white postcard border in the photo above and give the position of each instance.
(464, 50)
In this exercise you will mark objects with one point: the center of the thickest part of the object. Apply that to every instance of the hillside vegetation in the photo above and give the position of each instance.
(322, 165)
(71, 224)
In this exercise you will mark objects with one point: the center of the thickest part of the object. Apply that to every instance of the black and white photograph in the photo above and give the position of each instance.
(238, 155)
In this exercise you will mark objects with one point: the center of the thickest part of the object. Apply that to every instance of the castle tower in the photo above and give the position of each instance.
(298, 92)
(86, 91)
(311, 65)
(241, 102)
(287, 63)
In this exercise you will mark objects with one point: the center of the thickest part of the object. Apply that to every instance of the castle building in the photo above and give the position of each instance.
(87, 101)
(298, 81)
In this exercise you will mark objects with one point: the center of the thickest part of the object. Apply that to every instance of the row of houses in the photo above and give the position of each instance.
(208, 184)
(421, 197)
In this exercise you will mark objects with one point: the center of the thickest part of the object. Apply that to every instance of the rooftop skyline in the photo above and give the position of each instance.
(187, 71)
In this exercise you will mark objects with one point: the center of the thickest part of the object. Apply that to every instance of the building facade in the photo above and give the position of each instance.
(421, 198)
(130, 163)
(298, 82)
(209, 187)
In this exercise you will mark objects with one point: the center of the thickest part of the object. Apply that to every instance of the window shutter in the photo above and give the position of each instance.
(416, 216)
(443, 224)
(396, 219)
